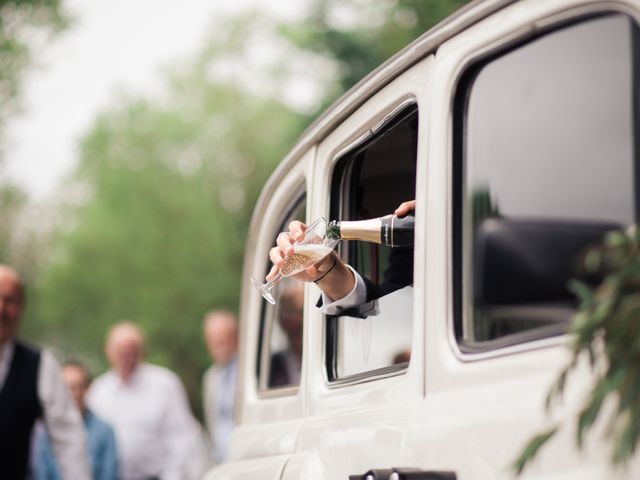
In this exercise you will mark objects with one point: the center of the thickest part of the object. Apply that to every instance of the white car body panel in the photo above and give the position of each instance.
(453, 411)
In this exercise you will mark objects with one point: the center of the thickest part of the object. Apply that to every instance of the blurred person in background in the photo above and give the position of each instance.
(31, 387)
(402, 356)
(147, 407)
(101, 439)
(219, 382)
(286, 364)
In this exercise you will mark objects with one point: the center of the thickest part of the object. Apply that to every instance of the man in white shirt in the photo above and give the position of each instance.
(147, 407)
(219, 382)
(31, 387)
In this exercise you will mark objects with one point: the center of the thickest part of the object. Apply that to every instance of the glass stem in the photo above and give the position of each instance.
(271, 283)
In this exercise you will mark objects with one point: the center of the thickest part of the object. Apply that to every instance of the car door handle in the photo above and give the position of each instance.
(417, 474)
(379, 474)
(404, 474)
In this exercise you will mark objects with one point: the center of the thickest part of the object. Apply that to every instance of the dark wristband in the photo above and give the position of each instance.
(335, 260)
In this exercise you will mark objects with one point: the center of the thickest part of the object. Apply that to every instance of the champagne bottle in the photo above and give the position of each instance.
(389, 230)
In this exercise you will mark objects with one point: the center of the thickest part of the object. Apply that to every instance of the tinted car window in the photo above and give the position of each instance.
(280, 342)
(544, 166)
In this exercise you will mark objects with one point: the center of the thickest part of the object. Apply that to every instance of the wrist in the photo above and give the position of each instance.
(331, 265)
(338, 282)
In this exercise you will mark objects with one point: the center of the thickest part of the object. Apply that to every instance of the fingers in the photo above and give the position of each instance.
(276, 255)
(296, 230)
(272, 273)
(284, 246)
(405, 207)
(284, 242)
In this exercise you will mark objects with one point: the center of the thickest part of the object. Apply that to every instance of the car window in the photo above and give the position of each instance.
(543, 166)
(280, 342)
(370, 181)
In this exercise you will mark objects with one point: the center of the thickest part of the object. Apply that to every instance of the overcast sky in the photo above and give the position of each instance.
(112, 46)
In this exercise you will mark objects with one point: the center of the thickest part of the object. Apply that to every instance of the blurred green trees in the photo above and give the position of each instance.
(361, 35)
(154, 222)
(160, 235)
(25, 26)
(21, 21)
(12, 200)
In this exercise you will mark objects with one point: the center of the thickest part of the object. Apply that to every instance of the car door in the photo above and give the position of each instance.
(532, 153)
(365, 375)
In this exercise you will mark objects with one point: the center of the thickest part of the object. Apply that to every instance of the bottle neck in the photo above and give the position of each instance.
(367, 230)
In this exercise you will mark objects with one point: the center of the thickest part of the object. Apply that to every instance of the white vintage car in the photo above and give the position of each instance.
(514, 125)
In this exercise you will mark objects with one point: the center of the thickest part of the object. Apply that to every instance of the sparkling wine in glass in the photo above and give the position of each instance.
(310, 250)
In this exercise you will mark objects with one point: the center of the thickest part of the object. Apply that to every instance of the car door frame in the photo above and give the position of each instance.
(267, 419)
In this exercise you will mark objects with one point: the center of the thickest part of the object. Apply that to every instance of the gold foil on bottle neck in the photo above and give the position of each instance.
(367, 230)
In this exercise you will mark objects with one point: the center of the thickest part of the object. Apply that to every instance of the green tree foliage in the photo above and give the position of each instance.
(169, 188)
(160, 239)
(24, 232)
(606, 331)
(20, 21)
(361, 35)
(12, 201)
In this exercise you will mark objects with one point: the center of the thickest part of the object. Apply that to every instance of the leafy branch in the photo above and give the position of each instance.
(606, 328)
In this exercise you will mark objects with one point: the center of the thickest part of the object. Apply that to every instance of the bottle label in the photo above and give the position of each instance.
(387, 230)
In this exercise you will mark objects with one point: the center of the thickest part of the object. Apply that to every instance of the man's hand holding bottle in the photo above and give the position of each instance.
(405, 207)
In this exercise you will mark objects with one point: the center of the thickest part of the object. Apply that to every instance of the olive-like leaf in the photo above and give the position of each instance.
(531, 449)
(605, 329)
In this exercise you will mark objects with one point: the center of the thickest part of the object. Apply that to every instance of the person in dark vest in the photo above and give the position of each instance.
(31, 388)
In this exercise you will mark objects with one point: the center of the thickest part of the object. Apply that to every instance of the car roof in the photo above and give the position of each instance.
(344, 106)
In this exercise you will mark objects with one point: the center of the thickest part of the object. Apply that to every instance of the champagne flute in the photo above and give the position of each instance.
(314, 246)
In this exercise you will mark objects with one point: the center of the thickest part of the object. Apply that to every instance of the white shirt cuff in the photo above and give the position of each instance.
(355, 297)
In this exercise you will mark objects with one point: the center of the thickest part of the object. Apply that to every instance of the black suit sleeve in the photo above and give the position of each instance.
(399, 274)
